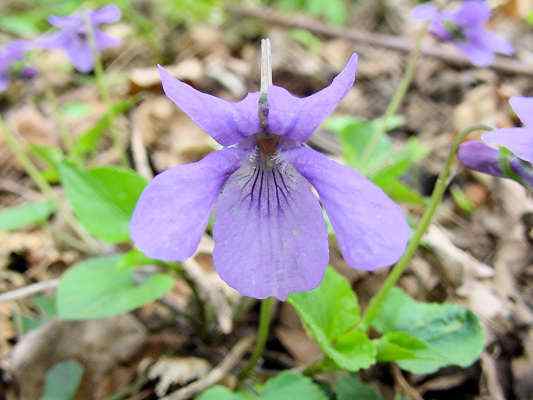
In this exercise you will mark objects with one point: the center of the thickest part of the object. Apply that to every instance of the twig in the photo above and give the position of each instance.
(209, 291)
(404, 386)
(140, 155)
(216, 374)
(375, 39)
(488, 366)
(29, 290)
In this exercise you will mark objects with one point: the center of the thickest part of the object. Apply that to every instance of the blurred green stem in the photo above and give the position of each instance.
(102, 86)
(66, 138)
(32, 171)
(265, 317)
(436, 198)
(98, 67)
(396, 100)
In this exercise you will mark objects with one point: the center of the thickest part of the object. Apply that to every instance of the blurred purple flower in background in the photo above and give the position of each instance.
(465, 28)
(270, 235)
(73, 35)
(484, 156)
(11, 54)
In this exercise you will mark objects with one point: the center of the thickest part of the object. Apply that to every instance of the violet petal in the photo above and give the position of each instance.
(523, 107)
(471, 13)
(297, 118)
(227, 122)
(172, 212)
(104, 41)
(79, 53)
(106, 15)
(371, 229)
(478, 156)
(478, 55)
(518, 140)
(424, 12)
(270, 235)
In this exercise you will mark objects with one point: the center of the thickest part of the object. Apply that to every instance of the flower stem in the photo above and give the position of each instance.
(98, 67)
(21, 156)
(396, 100)
(436, 198)
(265, 316)
(102, 86)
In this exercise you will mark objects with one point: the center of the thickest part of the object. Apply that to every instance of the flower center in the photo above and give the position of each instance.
(82, 35)
(455, 31)
(267, 144)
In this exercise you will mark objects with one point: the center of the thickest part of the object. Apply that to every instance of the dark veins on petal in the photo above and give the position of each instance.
(266, 180)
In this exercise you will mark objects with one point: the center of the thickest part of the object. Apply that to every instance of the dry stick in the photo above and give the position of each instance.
(403, 45)
(216, 374)
(29, 290)
(404, 386)
(138, 149)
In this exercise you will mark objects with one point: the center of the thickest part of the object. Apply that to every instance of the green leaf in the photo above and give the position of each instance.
(462, 200)
(20, 25)
(451, 333)
(134, 258)
(100, 288)
(394, 346)
(103, 198)
(529, 18)
(88, 141)
(75, 109)
(219, 393)
(351, 388)
(399, 191)
(284, 386)
(333, 10)
(401, 160)
(62, 381)
(51, 156)
(25, 215)
(46, 311)
(291, 385)
(368, 149)
(331, 313)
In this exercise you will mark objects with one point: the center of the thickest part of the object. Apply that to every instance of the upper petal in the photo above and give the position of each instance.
(518, 140)
(270, 235)
(371, 229)
(172, 212)
(472, 12)
(297, 118)
(106, 15)
(227, 122)
(68, 21)
(424, 12)
(523, 107)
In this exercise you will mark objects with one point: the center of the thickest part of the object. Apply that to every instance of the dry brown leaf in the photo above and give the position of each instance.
(177, 370)
(98, 345)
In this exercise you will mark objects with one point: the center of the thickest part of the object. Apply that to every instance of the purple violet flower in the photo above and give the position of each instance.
(270, 236)
(73, 35)
(484, 156)
(12, 53)
(465, 28)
